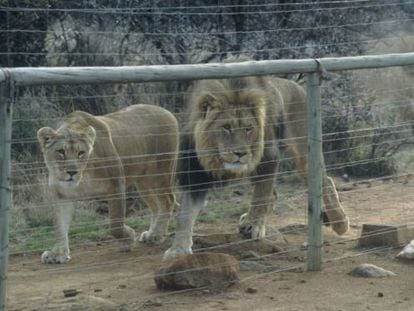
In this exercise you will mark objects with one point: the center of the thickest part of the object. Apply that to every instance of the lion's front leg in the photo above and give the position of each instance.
(60, 252)
(191, 204)
(253, 223)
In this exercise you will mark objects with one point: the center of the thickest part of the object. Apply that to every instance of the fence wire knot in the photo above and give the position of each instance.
(323, 73)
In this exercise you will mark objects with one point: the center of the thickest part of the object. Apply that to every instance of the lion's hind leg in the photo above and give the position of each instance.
(333, 209)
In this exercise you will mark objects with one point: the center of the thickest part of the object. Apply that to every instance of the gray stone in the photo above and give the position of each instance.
(407, 252)
(367, 270)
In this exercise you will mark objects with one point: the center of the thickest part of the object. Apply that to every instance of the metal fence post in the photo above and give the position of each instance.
(6, 102)
(315, 162)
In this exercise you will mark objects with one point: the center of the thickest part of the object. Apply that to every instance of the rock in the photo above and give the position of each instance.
(385, 235)
(213, 270)
(407, 252)
(367, 270)
(72, 292)
(251, 290)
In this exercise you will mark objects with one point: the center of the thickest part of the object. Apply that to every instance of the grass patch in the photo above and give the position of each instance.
(224, 205)
(30, 232)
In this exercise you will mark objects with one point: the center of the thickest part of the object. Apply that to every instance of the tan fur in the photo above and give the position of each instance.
(137, 145)
(237, 128)
(263, 103)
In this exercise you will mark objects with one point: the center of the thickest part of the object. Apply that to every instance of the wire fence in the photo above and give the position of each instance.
(367, 124)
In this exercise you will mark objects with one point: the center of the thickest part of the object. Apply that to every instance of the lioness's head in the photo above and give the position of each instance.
(66, 152)
(227, 121)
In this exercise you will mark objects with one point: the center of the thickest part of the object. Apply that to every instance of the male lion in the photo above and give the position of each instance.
(235, 130)
(99, 156)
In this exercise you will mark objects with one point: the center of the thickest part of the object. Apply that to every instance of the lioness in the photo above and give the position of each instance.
(236, 128)
(99, 156)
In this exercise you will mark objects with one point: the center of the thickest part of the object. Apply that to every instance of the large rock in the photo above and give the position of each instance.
(385, 235)
(212, 270)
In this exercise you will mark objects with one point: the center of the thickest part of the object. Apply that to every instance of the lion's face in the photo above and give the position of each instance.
(66, 153)
(229, 130)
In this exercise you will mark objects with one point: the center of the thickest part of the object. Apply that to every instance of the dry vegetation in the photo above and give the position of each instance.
(368, 120)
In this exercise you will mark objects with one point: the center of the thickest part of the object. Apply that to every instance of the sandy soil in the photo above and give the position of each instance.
(108, 280)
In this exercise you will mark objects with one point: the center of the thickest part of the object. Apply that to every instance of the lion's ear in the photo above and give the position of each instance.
(206, 103)
(90, 134)
(46, 136)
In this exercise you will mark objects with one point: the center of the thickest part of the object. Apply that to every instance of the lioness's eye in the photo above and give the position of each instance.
(249, 128)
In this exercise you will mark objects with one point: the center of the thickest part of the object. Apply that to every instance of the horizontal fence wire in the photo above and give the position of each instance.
(368, 124)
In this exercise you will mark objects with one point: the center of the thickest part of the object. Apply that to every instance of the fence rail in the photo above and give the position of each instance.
(26, 76)
(97, 75)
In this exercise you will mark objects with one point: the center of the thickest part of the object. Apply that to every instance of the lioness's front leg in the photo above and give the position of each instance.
(60, 252)
(253, 223)
(116, 210)
(191, 204)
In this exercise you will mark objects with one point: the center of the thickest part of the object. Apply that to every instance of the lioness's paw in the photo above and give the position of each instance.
(341, 226)
(49, 257)
(251, 230)
(176, 251)
(151, 238)
(128, 242)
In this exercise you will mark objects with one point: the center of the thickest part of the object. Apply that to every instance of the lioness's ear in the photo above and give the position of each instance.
(46, 136)
(90, 134)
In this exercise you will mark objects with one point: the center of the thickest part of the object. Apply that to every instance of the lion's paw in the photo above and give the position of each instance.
(341, 227)
(251, 230)
(149, 237)
(176, 251)
(50, 257)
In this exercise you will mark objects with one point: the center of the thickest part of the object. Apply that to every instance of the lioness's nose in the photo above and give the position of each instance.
(72, 173)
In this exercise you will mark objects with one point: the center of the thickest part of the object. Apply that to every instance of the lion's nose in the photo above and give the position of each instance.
(240, 154)
(72, 173)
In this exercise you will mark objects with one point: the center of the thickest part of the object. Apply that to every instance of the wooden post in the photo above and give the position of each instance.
(315, 162)
(6, 101)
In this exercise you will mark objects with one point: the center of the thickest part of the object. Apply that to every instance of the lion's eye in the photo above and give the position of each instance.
(227, 127)
(61, 152)
(81, 154)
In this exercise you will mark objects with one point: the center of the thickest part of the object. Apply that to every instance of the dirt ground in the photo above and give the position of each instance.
(108, 280)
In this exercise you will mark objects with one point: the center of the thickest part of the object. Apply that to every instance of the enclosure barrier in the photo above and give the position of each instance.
(315, 68)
